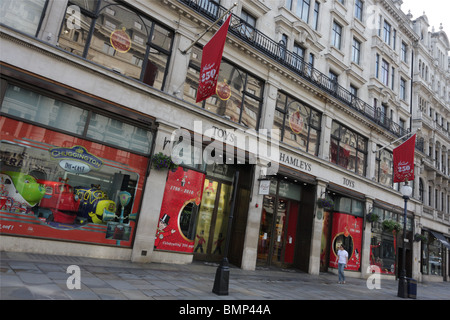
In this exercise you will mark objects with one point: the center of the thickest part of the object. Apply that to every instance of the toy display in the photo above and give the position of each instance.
(59, 203)
(95, 205)
(19, 190)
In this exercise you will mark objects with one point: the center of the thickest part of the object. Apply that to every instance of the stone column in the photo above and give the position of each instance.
(316, 237)
(367, 235)
(152, 200)
(249, 254)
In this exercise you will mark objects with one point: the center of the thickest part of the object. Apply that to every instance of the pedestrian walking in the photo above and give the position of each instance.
(342, 259)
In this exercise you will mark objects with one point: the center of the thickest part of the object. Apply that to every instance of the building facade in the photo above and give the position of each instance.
(98, 100)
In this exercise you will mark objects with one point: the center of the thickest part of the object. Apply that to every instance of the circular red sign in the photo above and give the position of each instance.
(120, 40)
(223, 90)
(296, 122)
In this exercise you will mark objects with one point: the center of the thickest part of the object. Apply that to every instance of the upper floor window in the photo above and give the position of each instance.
(303, 9)
(240, 93)
(316, 15)
(348, 149)
(387, 33)
(359, 9)
(336, 35)
(299, 125)
(404, 52)
(25, 16)
(356, 51)
(118, 38)
(384, 167)
(385, 72)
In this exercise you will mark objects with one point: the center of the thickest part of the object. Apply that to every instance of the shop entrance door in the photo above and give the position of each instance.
(212, 221)
(278, 232)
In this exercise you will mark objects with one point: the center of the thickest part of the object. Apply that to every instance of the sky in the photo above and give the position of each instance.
(437, 12)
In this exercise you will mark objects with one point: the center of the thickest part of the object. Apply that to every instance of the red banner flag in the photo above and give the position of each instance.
(404, 160)
(211, 58)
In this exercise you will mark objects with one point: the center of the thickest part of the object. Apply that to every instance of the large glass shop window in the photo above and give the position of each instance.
(118, 38)
(55, 185)
(348, 149)
(238, 94)
(25, 16)
(299, 125)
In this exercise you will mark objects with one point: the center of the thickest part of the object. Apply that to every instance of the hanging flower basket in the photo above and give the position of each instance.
(391, 225)
(372, 217)
(419, 237)
(325, 203)
(161, 161)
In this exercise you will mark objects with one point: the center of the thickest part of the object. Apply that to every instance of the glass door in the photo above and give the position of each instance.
(213, 220)
(278, 231)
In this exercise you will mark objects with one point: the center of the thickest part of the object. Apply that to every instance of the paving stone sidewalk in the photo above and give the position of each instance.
(25, 276)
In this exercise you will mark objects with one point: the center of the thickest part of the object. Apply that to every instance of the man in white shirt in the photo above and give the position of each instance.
(342, 259)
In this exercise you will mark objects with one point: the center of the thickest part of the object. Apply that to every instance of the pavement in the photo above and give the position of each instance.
(27, 276)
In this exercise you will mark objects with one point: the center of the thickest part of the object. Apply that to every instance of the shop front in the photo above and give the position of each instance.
(286, 222)
(343, 224)
(434, 255)
(69, 171)
(196, 207)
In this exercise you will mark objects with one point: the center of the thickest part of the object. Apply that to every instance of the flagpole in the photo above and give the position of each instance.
(410, 133)
(209, 28)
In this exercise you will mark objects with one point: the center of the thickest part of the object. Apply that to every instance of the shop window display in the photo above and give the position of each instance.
(432, 255)
(59, 184)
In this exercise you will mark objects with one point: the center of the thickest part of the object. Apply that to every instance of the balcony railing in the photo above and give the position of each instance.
(278, 52)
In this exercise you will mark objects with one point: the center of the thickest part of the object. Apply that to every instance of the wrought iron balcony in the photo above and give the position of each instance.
(277, 52)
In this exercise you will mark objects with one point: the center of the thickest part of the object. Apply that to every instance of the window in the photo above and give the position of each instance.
(121, 40)
(359, 9)
(377, 65)
(336, 36)
(299, 124)
(384, 167)
(348, 149)
(25, 16)
(432, 254)
(356, 51)
(387, 33)
(392, 78)
(248, 28)
(49, 112)
(77, 181)
(383, 245)
(316, 15)
(385, 72)
(299, 56)
(402, 89)
(303, 9)
(333, 80)
(243, 104)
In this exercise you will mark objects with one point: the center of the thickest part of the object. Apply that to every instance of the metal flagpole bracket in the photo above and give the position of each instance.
(209, 28)
(389, 144)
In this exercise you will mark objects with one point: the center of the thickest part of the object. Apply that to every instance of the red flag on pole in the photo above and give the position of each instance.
(211, 58)
(404, 160)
